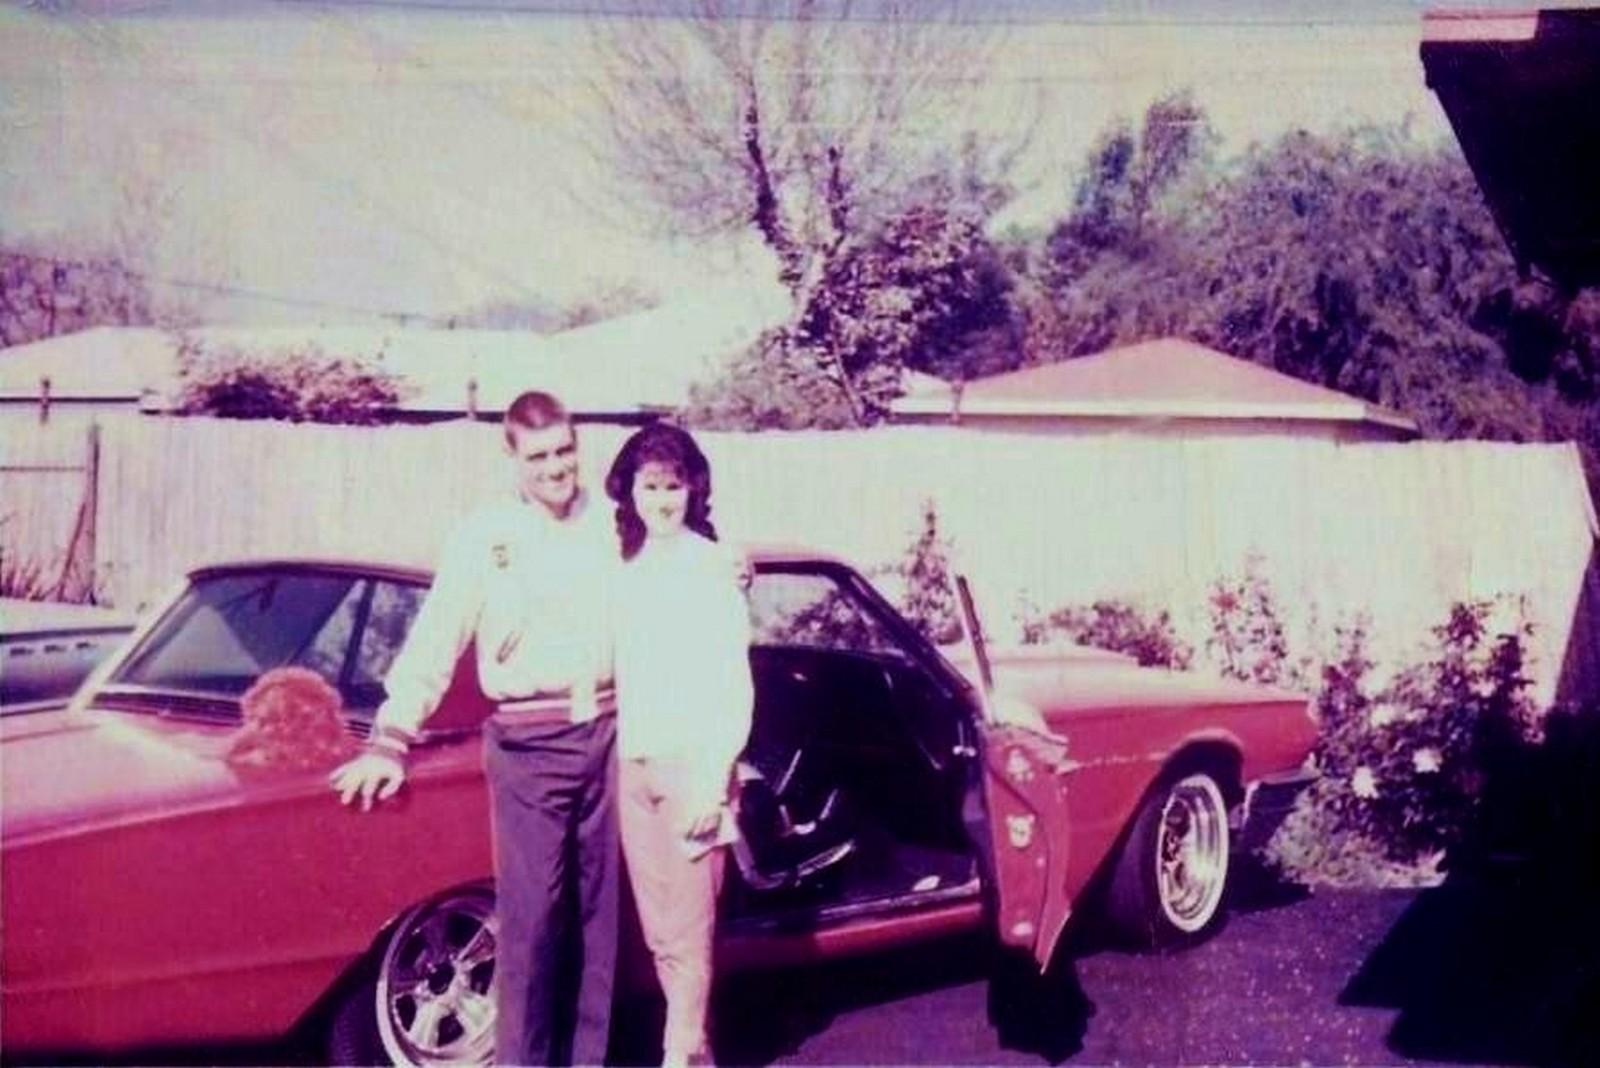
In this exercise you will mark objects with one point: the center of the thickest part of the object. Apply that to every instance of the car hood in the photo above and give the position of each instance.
(1063, 680)
(68, 771)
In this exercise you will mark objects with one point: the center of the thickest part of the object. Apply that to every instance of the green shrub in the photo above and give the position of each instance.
(1248, 640)
(1118, 625)
(777, 384)
(64, 576)
(301, 387)
(25, 579)
(927, 595)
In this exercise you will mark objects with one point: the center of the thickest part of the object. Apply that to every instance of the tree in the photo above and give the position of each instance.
(1127, 178)
(925, 290)
(1358, 260)
(1123, 236)
(111, 270)
(42, 295)
(811, 126)
(802, 123)
(775, 385)
(928, 597)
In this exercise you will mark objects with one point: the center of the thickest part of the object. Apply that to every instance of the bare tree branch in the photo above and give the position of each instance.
(802, 124)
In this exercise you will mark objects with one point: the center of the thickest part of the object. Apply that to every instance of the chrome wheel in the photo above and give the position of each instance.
(1192, 853)
(434, 989)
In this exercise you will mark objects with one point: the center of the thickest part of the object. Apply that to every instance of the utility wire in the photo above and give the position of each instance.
(216, 288)
(101, 37)
(985, 14)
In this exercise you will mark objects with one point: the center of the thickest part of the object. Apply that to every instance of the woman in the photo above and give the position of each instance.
(684, 700)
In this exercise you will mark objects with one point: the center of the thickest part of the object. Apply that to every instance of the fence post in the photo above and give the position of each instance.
(79, 561)
(91, 508)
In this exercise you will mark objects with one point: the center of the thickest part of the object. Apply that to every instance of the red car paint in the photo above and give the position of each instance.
(152, 893)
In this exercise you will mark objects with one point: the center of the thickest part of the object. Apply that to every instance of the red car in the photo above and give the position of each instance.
(154, 893)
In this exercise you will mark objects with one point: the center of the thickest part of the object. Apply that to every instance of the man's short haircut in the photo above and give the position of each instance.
(534, 410)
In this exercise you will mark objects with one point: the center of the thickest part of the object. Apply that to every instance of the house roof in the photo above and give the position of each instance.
(1169, 378)
(1519, 89)
(644, 361)
(110, 363)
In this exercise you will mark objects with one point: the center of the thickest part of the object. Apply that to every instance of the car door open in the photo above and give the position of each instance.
(1027, 775)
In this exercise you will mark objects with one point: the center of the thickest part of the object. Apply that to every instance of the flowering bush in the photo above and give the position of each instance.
(1117, 625)
(302, 387)
(1247, 640)
(291, 720)
(1403, 766)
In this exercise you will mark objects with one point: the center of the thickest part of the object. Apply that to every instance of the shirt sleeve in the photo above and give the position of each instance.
(444, 626)
(730, 689)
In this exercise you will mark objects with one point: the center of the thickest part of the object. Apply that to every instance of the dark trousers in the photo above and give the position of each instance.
(551, 790)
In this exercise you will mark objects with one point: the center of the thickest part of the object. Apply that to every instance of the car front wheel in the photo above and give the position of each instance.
(1168, 884)
(428, 999)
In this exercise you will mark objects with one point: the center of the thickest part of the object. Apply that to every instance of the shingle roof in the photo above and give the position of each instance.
(1169, 377)
(646, 360)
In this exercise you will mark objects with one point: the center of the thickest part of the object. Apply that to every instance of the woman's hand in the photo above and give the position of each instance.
(704, 824)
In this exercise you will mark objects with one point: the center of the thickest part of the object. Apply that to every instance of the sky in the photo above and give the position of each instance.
(345, 162)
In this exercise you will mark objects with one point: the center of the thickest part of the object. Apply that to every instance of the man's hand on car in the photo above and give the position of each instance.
(372, 776)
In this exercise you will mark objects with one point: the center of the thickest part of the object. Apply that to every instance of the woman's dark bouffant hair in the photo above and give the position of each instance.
(665, 444)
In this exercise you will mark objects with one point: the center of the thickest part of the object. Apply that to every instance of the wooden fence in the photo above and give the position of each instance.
(1391, 532)
(48, 511)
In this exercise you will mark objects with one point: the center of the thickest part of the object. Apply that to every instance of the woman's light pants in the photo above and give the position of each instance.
(676, 896)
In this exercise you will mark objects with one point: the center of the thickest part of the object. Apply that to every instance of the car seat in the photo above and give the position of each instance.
(793, 825)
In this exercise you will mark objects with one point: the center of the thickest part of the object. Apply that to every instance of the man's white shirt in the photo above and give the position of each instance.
(533, 590)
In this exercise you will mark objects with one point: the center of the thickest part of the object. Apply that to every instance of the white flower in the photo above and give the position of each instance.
(1363, 783)
(1383, 715)
(1426, 760)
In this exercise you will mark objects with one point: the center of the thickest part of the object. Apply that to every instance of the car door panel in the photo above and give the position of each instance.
(1027, 778)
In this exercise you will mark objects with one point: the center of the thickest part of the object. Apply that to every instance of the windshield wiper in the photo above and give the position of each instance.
(155, 701)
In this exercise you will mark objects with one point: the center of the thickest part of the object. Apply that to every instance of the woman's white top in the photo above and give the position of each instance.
(682, 632)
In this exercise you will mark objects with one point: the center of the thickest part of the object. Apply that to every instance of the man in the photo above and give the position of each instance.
(525, 579)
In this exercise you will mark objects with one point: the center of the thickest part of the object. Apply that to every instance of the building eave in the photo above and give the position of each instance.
(996, 408)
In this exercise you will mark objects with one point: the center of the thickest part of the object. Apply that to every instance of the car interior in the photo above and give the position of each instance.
(851, 788)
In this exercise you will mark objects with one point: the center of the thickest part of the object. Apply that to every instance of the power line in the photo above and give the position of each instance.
(215, 288)
(755, 11)
(1030, 14)
(298, 161)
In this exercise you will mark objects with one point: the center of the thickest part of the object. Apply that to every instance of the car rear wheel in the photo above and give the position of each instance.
(428, 999)
(1168, 884)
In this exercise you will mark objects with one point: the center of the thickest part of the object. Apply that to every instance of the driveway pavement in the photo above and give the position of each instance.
(1495, 968)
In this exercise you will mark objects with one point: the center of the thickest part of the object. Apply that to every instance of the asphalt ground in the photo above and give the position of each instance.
(1487, 969)
(1496, 967)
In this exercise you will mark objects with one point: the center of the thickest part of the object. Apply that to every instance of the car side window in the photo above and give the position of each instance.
(330, 646)
(814, 611)
(394, 606)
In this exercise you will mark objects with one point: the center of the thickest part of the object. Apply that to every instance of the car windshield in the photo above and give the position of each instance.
(229, 628)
